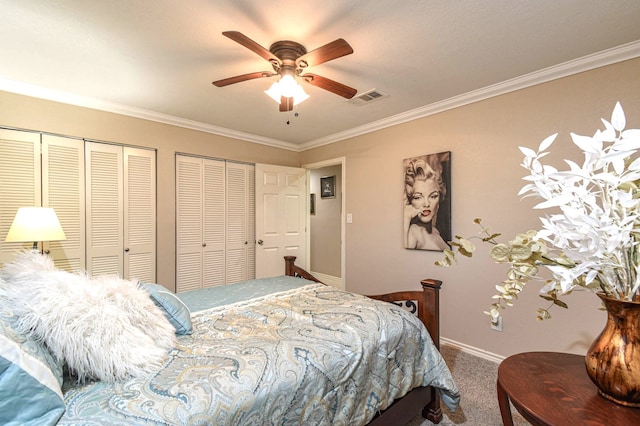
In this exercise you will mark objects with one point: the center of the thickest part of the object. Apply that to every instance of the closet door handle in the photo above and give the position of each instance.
(126, 250)
(260, 242)
(204, 244)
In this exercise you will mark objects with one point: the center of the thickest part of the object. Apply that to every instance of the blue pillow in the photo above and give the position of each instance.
(30, 378)
(174, 309)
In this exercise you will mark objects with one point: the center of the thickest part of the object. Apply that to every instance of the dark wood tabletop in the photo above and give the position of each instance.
(550, 388)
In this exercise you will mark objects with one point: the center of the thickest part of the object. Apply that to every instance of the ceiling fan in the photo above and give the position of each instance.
(290, 59)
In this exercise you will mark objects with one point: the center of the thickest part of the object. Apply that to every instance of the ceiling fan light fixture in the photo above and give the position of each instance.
(287, 87)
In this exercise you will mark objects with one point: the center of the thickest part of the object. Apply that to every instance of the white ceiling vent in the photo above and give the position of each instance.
(368, 97)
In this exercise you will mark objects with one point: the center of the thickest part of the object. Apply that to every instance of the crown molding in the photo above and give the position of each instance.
(86, 102)
(586, 63)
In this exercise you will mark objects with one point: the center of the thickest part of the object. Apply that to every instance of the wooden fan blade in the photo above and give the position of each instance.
(242, 39)
(328, 52)
(286, 104)
(330, 85)
(243, 77)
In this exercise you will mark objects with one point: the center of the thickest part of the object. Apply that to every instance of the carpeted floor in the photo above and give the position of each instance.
(476, 379)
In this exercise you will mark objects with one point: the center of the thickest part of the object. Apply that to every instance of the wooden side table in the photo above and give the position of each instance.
(550, 388)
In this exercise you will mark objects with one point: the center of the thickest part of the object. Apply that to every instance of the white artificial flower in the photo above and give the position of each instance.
(591, 237)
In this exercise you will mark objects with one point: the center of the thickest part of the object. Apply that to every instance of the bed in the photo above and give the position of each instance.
(425, 305)
(287, 350)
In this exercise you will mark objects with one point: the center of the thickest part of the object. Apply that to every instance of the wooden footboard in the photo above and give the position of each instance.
(426, 305)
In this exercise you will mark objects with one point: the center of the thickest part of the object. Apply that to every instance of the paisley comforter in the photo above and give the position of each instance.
(311, 355)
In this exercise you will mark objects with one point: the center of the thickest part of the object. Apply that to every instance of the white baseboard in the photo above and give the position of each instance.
(472, 350)
(329, 279)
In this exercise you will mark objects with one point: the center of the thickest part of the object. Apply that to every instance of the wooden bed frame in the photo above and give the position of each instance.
(426, 304)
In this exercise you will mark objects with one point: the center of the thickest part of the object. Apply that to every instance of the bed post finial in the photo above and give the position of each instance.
(289, 263)
(431, 292)
(292, 270)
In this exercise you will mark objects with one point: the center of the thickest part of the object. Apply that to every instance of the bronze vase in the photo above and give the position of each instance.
(613, 360)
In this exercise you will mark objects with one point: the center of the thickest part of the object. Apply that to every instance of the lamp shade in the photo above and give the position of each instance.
(289, 88)
(35, 224)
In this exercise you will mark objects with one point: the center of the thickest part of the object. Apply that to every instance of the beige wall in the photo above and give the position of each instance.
(326, 233)
(35, 114)
(486, 177)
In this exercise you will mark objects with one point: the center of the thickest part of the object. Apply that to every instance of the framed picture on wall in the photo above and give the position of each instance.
(312, 204)
(328, 187)
(427, 202)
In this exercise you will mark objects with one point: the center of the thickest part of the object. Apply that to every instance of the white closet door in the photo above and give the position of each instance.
(105, 243)
(189, 223)
(237, 238)
(63, 189)
(215, 222)
(20, 182)
(240, 193)
(140, 214)
(214, 237)
(251, 222)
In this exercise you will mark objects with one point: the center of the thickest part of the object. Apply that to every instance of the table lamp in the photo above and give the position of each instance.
(35, 224)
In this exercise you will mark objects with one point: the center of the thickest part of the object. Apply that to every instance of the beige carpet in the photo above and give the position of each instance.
(476, 379)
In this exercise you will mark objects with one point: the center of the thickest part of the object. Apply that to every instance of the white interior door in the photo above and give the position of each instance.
(104, 211)
(139, 214)
(240, 247)
(20, 177)
(281, 207)
(63, 181)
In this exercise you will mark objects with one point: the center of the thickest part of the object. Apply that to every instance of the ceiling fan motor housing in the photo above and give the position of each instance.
(288, 52)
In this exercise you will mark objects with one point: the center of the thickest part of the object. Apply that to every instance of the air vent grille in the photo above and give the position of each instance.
(368, 97)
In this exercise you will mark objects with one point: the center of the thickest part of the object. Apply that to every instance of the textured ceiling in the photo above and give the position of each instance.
(157, 59)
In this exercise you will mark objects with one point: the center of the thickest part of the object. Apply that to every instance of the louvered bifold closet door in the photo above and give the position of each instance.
(189, 223)
(20, 182)
(140, 214)
(104, 176)
(214, 238)
(238, 222)
(215, 222)
(63, 189)
(251, 222)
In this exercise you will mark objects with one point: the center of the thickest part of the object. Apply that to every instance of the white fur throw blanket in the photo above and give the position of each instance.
(103, 328)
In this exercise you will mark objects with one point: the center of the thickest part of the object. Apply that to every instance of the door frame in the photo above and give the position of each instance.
(342, 161)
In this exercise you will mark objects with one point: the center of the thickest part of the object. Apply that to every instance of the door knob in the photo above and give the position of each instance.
(260, 242)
